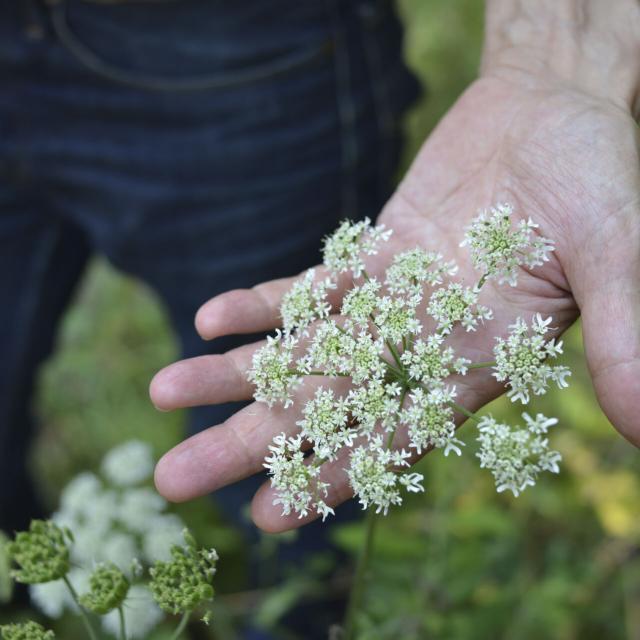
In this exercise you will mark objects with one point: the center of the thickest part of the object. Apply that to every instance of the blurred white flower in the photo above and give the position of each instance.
(141, 614)
(162, 532)
(128, 464)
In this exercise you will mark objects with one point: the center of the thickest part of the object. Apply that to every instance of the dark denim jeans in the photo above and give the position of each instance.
(200, 145)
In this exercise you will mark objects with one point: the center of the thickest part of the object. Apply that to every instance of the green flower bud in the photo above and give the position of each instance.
(41, 553)
(108, 590)
(180, 585)
(25, 631)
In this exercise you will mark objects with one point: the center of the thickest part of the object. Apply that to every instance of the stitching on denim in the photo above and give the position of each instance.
(385, 119)
(111, 72)
(346, 112)
(26, 310)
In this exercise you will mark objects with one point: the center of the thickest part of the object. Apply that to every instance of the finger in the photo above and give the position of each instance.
(611, 324)
(220, 455)
(243, 310)
(211, 379)
(257, 309)
(231, 451)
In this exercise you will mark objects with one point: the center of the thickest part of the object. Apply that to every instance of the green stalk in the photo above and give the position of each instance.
(394, 353)
(123, 628)
(465, 412)
(481, 365)
(83, 613)
(359, 579)
(319, 373)
(357, 590)
(181, 626)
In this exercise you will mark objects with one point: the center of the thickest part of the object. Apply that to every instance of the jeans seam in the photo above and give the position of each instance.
(92, 61)
(346, 113)
(385, 120)
(43, 252)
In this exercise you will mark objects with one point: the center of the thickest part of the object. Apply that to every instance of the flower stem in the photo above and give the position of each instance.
(465, 412)
(482, 281)
(319, 373)
(357, 589)
(83, 613)
(394, 353)
(359, 579)
(123, 627)
(481, 365)
(182, 625)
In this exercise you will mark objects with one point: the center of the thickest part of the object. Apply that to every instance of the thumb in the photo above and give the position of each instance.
(608, 293)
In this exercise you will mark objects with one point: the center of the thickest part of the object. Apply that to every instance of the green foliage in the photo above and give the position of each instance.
(6, 584)
(26, 631)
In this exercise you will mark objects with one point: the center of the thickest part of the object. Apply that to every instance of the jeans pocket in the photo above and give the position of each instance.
(191, 45)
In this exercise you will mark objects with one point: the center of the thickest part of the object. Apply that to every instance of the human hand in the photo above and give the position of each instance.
(565, 157)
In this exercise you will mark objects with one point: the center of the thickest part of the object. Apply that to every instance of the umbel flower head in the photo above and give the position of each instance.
(108, 589)
(25, 631)
(394, 347)
(183, 583)
(41, 553)
(498, 249)
(515, 456)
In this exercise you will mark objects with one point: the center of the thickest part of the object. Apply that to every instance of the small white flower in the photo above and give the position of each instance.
(137, 507)
(128, 464)
(163, 531)
(305, 302)
(366, 358)
(456, 303)
(344, 248)
(521, 360)
(78, 495)
(326, 423)
(360, 302)
(498, 250)
(374, 404)
(517, 456)
(413, 269)
(296, 481)
(52, 598)
(373, 478)
(396, 318)
(141, 615)
(273, 373)
(331, 350)
(428, 361)
(429, 420)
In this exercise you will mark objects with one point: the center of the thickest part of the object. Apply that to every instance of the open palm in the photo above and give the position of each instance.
(567, 160)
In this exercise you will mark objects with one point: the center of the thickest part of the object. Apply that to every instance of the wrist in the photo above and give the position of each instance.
(587, 45)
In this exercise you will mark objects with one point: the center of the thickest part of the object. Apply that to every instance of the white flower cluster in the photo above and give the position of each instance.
(344, 249)
(498, 250)
(515, 457)
(398, 373)
(521, 360)
(119, 519)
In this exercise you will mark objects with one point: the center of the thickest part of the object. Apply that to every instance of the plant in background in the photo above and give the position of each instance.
(392, 357)
(118, 521)
(110, 529)
(25, 631)
(179, 586)
(185, 582)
